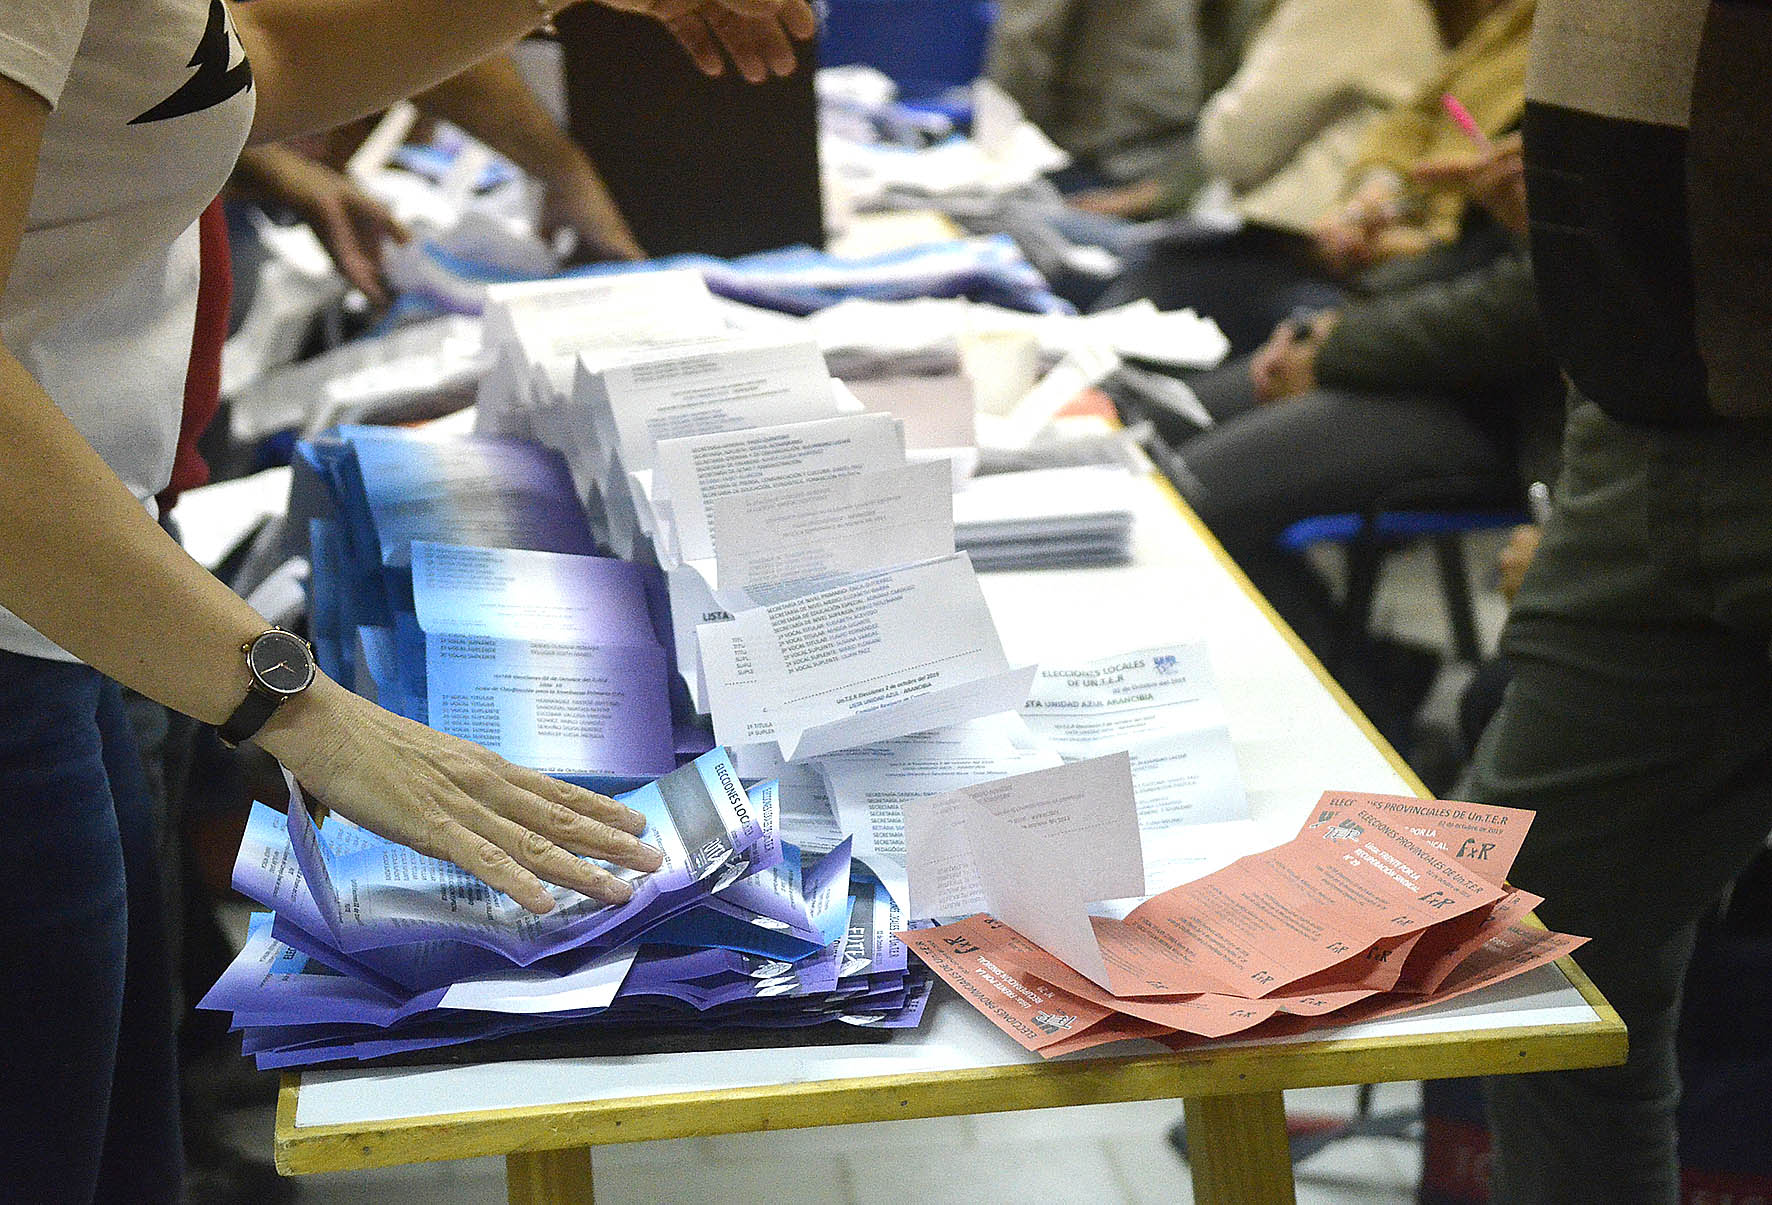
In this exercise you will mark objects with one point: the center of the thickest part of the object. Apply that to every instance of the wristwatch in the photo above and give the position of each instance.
(282, 666)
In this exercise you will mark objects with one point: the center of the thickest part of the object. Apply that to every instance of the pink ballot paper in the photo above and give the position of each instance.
(1273, 918)
(1486, 839)
(1380, 904)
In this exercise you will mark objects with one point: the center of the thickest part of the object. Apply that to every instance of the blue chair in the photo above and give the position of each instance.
(926, 46)
(1369, 538)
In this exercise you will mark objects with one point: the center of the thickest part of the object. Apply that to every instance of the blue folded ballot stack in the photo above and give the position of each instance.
(372, 950)
(455, 580)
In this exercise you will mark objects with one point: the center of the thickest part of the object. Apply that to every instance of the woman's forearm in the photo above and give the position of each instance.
(83, 563)
(319, 63)
(491, 102)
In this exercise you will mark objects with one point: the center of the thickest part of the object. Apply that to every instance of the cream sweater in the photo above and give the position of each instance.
(1286, 130)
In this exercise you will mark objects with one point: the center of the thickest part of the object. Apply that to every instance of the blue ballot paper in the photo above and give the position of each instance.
(326, 588)
(299, 998)
(378, 893)
(500, 493)
(550, 660)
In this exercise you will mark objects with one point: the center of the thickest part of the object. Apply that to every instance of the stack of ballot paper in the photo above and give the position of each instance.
(816, 597)
(1380, 905)
(371, 949)
(1079, 515)
(453, 580)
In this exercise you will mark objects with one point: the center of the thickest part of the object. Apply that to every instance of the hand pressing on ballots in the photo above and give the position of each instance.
(511, 826)
(758, 35)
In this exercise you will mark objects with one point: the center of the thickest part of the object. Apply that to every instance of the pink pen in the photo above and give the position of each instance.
(1465, 121)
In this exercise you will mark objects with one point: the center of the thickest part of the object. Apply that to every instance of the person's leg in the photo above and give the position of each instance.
(1225, 392)
(1246, 282)
(1328, 452)
(62, 938)
(143, 1155)
(1639, 727)
(1481, 699)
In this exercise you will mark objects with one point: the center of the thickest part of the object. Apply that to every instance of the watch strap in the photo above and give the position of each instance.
(249, 717)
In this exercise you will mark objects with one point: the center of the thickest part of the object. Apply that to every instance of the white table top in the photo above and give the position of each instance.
(1293, 739)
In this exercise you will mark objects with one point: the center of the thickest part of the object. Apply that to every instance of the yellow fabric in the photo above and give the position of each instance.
(1487, 73)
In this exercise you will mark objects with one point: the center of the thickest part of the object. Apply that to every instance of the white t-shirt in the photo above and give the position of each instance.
(152, 101)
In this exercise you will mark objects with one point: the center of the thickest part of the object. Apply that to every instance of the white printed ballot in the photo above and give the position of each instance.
(869, 786)
(617, 307)
(1078, 835)
(634, 403)
(1109, 703)
(894, 653)
(534, 331)
(1162, 706)
(1079, 500)
(549, 659)
(775, 544)
(693, 472)
(769, 544)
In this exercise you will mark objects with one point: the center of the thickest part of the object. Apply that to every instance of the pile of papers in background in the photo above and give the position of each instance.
(1380, 905)
(816, 600)
(372, 949)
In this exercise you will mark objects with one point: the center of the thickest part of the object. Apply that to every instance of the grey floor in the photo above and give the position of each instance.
(1106, 1154)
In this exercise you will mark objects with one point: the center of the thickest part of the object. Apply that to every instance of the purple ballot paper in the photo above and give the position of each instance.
(550, 660)
(697, 816)
(495, 493)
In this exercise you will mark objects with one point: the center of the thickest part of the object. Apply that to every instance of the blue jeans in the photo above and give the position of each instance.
(89, 1091)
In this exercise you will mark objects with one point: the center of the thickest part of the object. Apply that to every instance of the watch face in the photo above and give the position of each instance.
(281, 662)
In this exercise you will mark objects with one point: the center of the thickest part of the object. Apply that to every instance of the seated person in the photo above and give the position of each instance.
(1428, 392)
(1381, 230)
(1282, 128)
(1115, 83)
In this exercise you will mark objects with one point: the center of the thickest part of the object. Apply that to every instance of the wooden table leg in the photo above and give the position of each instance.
(1237, 1150)
(549, 1177)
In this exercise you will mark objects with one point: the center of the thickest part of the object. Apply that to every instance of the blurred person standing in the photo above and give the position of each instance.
(1283, 129)
(1639, 721)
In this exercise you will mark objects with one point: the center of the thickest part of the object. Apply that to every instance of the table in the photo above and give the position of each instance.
(1295, 734)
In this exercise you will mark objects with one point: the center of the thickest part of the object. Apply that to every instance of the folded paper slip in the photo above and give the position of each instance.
(293, 1010)
(1378, 897)
(898, 652)
(993, 968)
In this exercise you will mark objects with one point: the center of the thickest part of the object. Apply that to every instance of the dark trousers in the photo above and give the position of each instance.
(1249, 280)
(1639, 726)
(89, 1094)
(1264, 467)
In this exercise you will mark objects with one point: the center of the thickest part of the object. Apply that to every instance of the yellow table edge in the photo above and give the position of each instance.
(1206, 1073)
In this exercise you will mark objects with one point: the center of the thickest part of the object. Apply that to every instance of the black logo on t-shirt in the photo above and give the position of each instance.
(214, 82)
